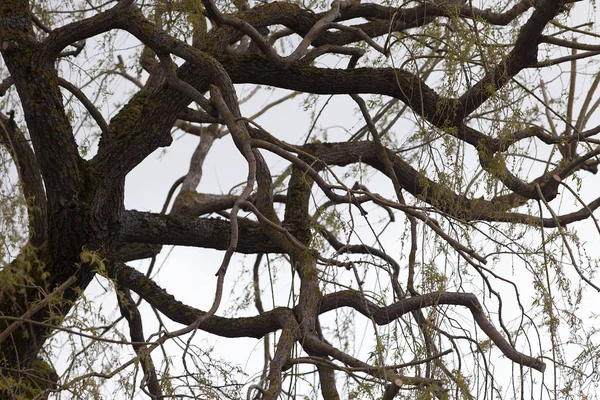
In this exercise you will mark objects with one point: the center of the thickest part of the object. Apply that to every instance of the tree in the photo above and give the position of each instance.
(448, 218)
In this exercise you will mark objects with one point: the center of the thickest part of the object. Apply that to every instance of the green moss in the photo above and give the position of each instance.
(127, 121)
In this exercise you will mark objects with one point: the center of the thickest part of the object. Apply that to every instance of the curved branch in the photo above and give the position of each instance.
(145, 123)
(256, 327)
(385, 315)
(77, 31)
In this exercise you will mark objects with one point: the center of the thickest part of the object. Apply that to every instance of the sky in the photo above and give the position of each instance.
(188, 273)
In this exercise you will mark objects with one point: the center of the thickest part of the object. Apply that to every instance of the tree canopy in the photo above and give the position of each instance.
(419, 223)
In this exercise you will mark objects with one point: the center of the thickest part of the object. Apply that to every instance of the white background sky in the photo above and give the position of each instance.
(188, 273)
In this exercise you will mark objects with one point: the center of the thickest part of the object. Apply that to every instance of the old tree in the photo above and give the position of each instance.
(420, 225)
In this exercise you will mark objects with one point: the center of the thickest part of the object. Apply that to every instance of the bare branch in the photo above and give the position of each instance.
(384, 315)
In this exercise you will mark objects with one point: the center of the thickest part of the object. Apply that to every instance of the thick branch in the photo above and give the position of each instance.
(142, 227)
(66, 35)
(523, 54)
(256, 327)
(382, 20)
